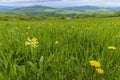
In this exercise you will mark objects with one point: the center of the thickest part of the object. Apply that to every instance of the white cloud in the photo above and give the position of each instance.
(61, 3)
(26, 0)
(13, 0)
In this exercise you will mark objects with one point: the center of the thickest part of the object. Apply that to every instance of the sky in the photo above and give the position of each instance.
(61, 3)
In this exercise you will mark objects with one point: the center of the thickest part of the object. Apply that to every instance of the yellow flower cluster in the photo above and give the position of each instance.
(111, 47)
(94, 63)
(32, 42)
(97, 65)
(100, 71)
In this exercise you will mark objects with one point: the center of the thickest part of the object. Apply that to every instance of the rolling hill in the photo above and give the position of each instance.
(33, 10)
(38, 10)
(48, 11)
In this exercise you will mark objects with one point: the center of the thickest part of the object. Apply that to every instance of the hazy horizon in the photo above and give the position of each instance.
(62, 3)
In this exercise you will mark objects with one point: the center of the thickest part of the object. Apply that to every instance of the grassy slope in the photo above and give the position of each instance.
(79, 41)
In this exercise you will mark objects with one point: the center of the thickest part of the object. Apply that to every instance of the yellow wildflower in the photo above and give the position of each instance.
(27, 43)
(32, 42)
(34, 39)
(56, 42)
(100, 71)
(28, 27)
(111, 47)
(94, 63)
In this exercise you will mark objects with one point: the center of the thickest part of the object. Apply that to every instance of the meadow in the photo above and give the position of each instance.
(73, 49)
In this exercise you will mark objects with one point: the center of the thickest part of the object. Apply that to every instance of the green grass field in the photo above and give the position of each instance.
(64, 51)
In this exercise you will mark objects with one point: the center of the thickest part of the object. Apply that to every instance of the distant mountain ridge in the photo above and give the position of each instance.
(49, 11)
(35, 6)
(3, 8)
(83, 8)
(79, 8)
